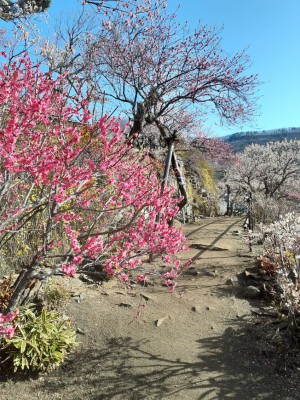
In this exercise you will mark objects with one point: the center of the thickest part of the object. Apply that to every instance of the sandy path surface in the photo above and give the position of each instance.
(197, 343)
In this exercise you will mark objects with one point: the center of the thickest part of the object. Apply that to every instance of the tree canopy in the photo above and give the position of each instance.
(269, 174)
(268, 170)
(10, 10)
(149, 66)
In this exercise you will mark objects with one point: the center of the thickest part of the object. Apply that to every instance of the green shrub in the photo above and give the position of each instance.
(55, 294)
(41, 342)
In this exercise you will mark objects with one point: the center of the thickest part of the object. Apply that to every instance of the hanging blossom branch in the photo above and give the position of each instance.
(6, 324)
(128, 7)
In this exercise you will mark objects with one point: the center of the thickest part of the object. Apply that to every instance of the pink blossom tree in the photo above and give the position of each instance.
(150, 67)
(74, 196)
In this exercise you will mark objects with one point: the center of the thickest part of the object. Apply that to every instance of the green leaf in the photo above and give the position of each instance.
(23, 346)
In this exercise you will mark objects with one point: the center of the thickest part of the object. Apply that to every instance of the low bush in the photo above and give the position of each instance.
(55, 295)
(282, 254)
(40, 342)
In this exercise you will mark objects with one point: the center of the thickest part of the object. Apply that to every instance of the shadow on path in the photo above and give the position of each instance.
(203, 226)
(219, 237)
(126, 369)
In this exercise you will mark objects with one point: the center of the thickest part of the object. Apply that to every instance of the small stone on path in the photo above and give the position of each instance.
(159, 321)
(251, 292)
(231, 281)
(125, 305)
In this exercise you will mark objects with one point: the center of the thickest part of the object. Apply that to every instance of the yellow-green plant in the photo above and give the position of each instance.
(41, 342)
(208, 177)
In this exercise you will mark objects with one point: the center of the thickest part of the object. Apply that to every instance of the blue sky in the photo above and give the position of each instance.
(270, 29)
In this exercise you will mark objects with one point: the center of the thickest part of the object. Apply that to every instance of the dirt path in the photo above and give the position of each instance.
(204, 346)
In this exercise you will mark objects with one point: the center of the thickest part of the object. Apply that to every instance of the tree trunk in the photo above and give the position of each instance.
(137, 126)
(250, 212)
(228, 201)
(164, 182)
(26, 288)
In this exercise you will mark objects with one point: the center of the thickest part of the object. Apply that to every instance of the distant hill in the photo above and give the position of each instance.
(240, 140)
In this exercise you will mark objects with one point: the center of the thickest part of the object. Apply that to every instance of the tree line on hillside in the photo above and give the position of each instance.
(239, 141)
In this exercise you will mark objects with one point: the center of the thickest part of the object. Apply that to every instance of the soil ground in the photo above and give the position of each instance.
(144, 343)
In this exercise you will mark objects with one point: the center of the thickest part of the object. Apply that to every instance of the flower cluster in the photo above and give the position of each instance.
(6, 326)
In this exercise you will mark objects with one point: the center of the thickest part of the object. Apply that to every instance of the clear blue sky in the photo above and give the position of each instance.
(271, 30)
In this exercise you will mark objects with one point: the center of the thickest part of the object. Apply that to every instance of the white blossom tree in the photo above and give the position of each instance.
(270, 173)
(10, 10)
